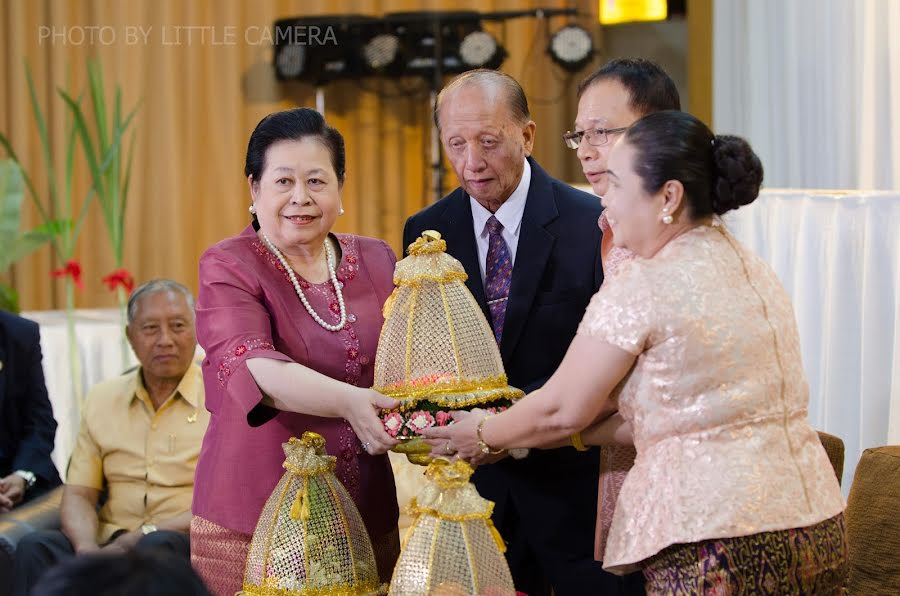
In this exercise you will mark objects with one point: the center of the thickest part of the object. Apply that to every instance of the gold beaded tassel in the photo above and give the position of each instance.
(300, 506)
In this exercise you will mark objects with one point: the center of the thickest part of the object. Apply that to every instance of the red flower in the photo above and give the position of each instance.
(443, 418)
(73, 270)
(119, 277)
(240, 350)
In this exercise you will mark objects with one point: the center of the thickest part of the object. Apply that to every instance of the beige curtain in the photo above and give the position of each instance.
(200, 98)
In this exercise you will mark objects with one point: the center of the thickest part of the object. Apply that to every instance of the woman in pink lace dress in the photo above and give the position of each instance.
(289, 315)
(695, 339)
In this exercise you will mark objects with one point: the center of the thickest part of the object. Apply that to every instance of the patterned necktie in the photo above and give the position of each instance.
(497, 275)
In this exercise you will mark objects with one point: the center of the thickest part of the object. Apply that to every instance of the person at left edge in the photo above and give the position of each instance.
(289, 314)
(27, 426)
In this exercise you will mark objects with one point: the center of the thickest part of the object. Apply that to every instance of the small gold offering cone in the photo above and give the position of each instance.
(310, 539)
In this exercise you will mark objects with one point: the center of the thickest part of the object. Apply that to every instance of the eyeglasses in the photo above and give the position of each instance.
(595, 136)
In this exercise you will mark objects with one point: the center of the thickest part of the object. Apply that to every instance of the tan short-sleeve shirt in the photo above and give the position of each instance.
(143, 458)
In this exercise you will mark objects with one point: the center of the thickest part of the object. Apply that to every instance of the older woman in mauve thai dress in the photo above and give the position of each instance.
(289, 315)
(695, 340)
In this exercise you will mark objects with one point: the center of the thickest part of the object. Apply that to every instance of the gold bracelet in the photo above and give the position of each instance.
(485, 448)
(577, 443)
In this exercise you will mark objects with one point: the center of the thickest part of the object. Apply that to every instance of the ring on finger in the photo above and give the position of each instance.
(448, 448)
(366, 446)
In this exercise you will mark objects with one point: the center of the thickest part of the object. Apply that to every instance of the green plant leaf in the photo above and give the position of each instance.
(125, 188)
(95, 79)
(105, 156)
(10, 200)
(23, 245)
(9, 299)
(54, 227)
(45, 141)
(15, 245)
(87, 143)
(85, 204)
(35, 198)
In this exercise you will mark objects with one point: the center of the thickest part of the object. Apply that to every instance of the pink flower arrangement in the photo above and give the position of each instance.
(419, 421)
(411, 424)
(393, 422)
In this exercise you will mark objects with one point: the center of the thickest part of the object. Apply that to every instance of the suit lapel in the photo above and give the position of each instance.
(5, 370)
(460, 236)
(532, 254)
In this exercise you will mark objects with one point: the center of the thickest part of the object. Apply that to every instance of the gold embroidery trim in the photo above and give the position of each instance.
(327, 467)
(444, 278)
(442, 394)
(343, 590)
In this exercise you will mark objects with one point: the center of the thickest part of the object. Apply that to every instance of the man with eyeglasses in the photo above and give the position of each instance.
(530, 246)
(610, 100)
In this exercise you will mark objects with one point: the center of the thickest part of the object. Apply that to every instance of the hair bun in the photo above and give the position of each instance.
(737, 176)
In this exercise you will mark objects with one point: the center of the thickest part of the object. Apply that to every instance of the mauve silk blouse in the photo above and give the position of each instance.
(247, 308)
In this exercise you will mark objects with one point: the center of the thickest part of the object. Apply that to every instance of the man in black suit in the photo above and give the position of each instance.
(545, 502)
(27, 427)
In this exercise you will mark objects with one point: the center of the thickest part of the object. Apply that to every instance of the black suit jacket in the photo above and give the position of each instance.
(27, 427)
(556, 271)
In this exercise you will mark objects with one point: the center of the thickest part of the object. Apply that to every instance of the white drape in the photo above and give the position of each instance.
(98, 335)
(814, 85)
(838, 256)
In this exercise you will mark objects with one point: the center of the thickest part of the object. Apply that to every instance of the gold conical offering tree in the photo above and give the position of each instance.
(310, 539)
(436, 352)
(452, 548)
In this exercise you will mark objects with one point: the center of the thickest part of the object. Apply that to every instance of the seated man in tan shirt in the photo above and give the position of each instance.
(138, 443)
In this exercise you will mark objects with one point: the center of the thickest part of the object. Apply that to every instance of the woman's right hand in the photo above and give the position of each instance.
(361, 410)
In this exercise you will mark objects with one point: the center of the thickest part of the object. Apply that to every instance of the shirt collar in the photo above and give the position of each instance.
(510, 212)
(188, 388)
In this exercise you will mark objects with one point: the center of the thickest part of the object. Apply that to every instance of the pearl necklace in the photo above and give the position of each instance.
(329, 259)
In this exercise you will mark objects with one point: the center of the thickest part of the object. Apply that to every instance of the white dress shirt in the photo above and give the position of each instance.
(509, 214)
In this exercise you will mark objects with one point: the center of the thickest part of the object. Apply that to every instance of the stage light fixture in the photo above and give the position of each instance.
(571, 47)
(479, 49)
(449, 42)
(321, 49)
(381, 51)
(290, 60)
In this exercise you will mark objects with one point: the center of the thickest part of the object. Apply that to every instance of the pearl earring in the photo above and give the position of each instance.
(252, 209)
(341, 212)
(667, 219)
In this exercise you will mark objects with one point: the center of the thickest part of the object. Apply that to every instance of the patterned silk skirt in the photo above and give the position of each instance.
(219, 556)
(811, 560)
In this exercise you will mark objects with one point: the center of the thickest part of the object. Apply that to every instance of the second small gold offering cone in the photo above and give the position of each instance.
(452, 548)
